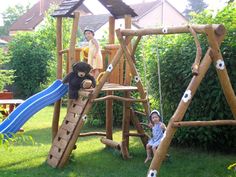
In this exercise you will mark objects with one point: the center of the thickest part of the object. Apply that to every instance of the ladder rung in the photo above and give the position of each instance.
(53, 161)
(64, 134)
(92, 134)
(72, 117)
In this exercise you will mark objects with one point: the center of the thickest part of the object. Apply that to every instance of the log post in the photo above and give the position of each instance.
(139, 128)
(109, 103)
(109, 116)
(221, 70)
(125, 126)
(71, 59)
(57, 105)
(111, 30)
(127, 71)
(73, 40)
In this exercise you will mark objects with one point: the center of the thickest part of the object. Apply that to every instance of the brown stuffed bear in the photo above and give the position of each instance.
(79, 78)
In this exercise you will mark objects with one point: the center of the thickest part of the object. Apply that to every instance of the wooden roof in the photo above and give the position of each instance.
(116, 7)
(93, 21)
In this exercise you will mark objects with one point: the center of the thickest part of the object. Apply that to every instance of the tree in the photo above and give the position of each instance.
(5, 75)
(194, 6)
(230, 1)
(10, 15)
(30, 60)
(33, 56)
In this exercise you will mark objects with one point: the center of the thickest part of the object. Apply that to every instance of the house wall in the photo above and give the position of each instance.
(172, 17)
(155, 18)
(151, 19)
(119, 23)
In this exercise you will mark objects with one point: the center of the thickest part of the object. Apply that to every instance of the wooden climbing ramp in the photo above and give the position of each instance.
(67, 135)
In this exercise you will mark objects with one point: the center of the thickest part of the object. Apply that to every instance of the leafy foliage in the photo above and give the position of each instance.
(194, 6)
(7, 141)
(33, 56)
(5, 74)
(10, 15)
(29, 59)
(177, 53)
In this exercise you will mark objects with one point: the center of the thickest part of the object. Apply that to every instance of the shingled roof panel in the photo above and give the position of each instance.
(74, 4)
(116, 7)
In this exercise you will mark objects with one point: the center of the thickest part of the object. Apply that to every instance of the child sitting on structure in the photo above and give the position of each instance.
(94, 54)
(158, 128)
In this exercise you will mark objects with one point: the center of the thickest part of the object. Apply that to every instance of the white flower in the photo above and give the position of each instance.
(152, 173)
(110, 68)
(84, 117)
(165, 30)
(187, 96)
(136, 78)
(220, 64)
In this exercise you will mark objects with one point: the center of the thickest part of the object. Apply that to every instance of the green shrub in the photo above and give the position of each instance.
(29, 59)
(5, 74)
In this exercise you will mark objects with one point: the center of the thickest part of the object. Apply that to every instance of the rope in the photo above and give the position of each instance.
(159, 81)
(159, 78)
(145, 73)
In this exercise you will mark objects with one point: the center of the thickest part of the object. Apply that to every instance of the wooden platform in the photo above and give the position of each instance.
(115, 87)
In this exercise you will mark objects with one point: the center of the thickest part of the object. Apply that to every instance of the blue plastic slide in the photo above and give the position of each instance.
(32, 105)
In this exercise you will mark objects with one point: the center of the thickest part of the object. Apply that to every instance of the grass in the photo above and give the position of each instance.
(91, 159)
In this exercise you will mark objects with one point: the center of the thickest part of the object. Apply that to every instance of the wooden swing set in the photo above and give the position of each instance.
(116, 78)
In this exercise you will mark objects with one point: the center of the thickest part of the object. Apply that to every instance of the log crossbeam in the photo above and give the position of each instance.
(203, 123)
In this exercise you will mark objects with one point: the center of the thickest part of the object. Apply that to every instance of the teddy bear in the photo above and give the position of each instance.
(79, 78)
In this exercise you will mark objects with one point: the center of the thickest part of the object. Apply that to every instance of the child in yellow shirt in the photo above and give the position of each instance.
(94, 54)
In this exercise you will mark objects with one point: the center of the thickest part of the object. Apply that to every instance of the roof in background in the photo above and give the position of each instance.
(143, 8)
(6, 38)
(93, 21)
(3, 41)
(116, 7)
(34, 16)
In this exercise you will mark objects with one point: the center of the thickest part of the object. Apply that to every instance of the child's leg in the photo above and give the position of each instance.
(149, 153)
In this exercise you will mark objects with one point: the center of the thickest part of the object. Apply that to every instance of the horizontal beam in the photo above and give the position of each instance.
(135, 134)
(113, 97)
(203, 123)
(110, 143)
(112, 46)
(92, 134)
(140, 113)
(219, 30)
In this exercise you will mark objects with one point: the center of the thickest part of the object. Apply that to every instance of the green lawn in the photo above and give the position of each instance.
(90, 159)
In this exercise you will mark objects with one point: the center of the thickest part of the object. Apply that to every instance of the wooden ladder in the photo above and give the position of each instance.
(67, 135)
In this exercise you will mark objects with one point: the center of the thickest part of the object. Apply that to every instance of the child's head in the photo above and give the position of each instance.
(88, 33)
(155, 117)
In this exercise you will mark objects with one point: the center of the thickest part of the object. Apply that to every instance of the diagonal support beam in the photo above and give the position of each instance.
(133, 69)
(221, 70)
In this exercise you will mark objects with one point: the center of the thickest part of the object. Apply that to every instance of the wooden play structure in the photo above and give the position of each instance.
(118, 75)
(116, 78)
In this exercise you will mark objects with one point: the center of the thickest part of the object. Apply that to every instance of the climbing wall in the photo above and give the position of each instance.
(68, 132)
